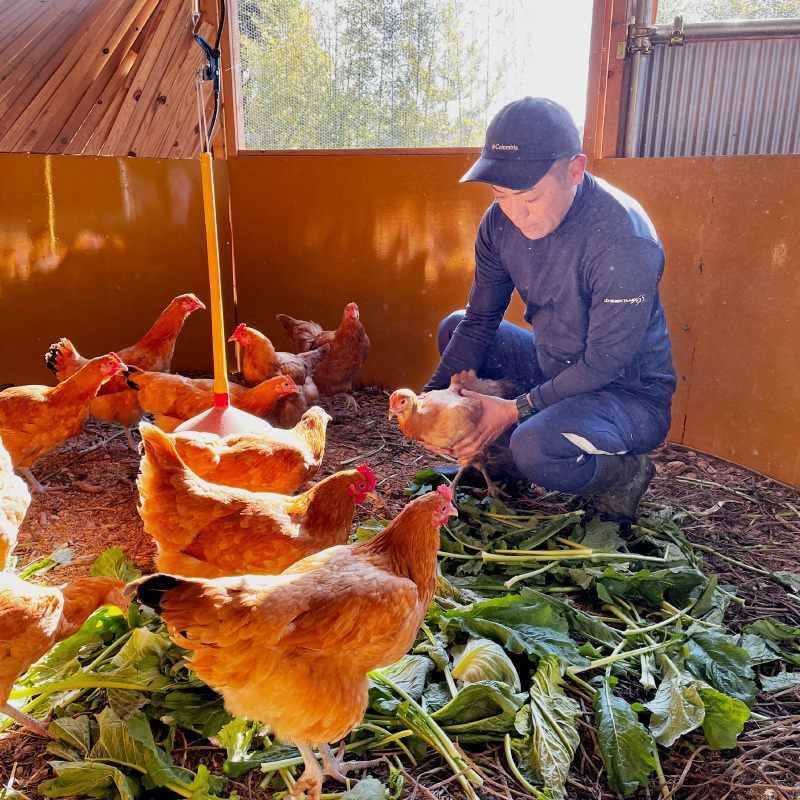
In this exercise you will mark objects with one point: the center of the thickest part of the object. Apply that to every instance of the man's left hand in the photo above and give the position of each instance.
(498, 414)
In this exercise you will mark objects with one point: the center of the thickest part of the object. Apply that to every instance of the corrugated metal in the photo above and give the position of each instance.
(736, 97)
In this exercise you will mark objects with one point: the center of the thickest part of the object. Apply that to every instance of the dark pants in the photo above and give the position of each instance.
(558, 447)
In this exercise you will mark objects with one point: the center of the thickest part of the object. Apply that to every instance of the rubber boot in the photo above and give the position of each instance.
(619, 487)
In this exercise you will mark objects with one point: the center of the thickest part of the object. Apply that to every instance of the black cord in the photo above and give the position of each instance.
(212, 70)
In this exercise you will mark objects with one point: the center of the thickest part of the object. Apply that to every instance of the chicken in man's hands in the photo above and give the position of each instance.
(293, 650)
(454, 420)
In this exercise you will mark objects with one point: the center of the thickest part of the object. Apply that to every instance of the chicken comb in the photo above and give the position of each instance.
(445, 492)
(114, 357)
(367, 473)
(239, 328)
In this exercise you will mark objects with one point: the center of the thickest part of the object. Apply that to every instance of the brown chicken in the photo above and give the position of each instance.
(293, 650)
(36, 419)
(337, 372)
(115, 402)
(278, 461)
(14, 501)
(172, 399)
(34, 618)
(204, 530)
(261, 361)
(443, 417)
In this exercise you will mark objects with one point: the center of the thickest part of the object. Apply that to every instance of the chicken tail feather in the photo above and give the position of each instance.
(63, 360)
(150, 590)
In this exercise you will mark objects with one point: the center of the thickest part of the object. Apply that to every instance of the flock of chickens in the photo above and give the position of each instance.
(258, 582)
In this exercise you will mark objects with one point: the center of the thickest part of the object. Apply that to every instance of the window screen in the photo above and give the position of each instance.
(402, 73)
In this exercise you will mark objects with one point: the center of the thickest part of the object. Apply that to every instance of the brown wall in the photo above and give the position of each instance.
(93, 249)
(393, 233)
(96, 250)
(732, 292)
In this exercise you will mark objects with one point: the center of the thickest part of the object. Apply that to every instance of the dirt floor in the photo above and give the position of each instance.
(750, 518)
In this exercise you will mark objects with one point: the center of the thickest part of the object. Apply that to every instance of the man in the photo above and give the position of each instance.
(595, 378)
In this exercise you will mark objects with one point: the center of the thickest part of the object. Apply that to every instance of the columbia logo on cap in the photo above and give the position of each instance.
(504, 147)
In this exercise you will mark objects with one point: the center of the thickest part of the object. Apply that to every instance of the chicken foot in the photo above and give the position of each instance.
(336, 767)
(23, 719)
(310, 781)
(131, 442)
(350, 403)
(492, 489)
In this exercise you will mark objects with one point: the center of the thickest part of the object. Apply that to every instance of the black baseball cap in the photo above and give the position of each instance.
(523, 141)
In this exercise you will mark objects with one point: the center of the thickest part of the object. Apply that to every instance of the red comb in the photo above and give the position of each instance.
(367, 473)
(115, 357)
(445, 492)
(241, 326)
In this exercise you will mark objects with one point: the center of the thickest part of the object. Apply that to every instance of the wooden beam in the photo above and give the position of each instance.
(232, 108)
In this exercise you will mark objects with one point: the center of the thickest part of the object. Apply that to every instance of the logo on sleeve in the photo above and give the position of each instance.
(634, 301)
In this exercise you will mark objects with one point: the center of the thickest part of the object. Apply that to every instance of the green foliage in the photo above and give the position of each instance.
(114, 563)
(625, 744)
(548, 727)
(724, 718)
(708, 10)
(369, 73)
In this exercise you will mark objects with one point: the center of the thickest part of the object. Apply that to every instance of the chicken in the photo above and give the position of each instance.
(443, 417)
(204, 530)
(173, 399)
(261, 361)
(278, 461)
(293, 650)
(36, 419)
(14, 501)
(34, 618)
(115, 402)
(338, 371)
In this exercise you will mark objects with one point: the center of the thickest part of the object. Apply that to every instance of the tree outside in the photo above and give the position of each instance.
(709, 10)
(376, 73)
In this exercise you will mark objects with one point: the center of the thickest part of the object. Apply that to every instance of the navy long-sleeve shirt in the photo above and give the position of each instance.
(591, 294)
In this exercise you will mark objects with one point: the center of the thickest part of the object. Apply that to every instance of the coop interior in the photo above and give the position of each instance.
(180, 180)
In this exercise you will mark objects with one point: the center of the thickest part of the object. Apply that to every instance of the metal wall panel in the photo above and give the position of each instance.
(734, 97)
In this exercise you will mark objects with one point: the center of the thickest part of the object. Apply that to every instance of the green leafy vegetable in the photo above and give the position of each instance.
(115, 564)
(676, 709)
(550, 736)
(625, 744)
(724, 719)
(484, 660)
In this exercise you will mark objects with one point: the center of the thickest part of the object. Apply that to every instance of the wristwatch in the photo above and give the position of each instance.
(524, 408)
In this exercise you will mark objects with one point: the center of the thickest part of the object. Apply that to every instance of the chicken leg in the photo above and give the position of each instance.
(336, 767)
(32, 482)
(30, 723)
(310, 781)
(350, 403)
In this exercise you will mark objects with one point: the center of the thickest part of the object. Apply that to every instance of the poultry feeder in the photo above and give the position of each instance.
(222, 418)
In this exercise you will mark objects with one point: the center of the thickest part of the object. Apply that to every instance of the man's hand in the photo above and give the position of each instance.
(498, 414)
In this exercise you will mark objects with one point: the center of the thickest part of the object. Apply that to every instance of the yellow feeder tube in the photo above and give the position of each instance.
(221, 388)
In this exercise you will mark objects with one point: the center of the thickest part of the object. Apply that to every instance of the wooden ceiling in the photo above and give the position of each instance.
(101, 77)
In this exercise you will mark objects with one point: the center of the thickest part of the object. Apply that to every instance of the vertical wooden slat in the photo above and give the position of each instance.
(232, 108)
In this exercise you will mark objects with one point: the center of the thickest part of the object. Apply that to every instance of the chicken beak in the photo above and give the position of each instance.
(374, 496)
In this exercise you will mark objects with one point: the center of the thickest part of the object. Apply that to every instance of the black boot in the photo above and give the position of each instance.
(619, 487)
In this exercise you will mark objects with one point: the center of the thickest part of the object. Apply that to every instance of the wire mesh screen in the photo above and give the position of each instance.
(325, 74)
